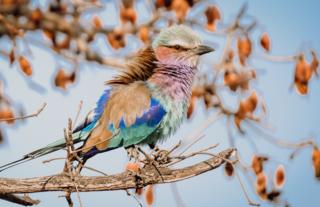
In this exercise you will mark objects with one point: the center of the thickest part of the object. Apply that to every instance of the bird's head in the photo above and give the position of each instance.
(179, 45)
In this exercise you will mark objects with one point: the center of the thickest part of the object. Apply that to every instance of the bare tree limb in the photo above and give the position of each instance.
(22, 200)
(121, 181)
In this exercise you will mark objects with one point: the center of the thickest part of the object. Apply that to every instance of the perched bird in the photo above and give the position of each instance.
(145, 104)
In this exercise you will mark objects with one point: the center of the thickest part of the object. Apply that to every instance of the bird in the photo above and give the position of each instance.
(143, 105)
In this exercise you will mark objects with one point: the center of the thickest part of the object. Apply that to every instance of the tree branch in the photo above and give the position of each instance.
(22, 200)
(122, 181)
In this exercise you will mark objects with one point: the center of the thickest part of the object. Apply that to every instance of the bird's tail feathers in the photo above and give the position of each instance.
(55, 146)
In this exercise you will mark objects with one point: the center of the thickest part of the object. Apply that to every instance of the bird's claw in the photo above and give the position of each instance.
(162, 157)
(133, 153)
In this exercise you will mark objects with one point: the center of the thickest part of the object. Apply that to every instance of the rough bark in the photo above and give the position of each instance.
(121, 181)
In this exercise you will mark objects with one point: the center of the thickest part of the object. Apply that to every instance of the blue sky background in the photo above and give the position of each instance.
(293, 25)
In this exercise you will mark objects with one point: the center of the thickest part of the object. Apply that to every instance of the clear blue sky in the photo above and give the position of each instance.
(292, 25)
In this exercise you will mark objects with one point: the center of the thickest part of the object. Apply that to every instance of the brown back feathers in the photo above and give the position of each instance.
(140, 68)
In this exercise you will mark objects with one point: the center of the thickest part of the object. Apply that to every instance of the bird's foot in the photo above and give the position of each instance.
(133, 153)
(163, 157)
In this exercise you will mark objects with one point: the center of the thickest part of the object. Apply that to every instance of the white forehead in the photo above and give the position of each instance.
(177, 35)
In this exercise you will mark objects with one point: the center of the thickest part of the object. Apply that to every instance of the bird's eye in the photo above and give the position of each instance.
(177, 47)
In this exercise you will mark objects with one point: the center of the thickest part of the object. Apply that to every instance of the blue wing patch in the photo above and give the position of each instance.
(151, 117)
(89, 122)
(101, 104)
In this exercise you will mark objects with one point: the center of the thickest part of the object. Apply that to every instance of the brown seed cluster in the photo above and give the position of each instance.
(246, 109)
(213, 16)
(116, 39)
(238, 79)
(303, 73)
(62, 79)
(261, 184)
(127, 12)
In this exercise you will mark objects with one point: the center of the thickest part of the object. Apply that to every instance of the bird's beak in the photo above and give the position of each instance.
(203, 49)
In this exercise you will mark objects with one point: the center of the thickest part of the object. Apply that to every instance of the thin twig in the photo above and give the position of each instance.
(78, 113)
(27, 116)
(192, 143)
(176, 195)
(53, 159)
(204, 126)
(275, 58)
(95, 170)
(180, 158)
(281, 142)
(250, 202)
(69, 160)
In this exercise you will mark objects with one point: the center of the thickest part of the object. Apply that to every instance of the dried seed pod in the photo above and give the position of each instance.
(62, 79)
(213, 15)
(250, 104)
(149, 195)
(7, 113)
(279, 176)
(261, 185)
(128, 15)
(315, 63)
(303, 73)
(257, 163)
(116, 39)
(181, 8)
(231, 80)
(96, 22)
(133, 167)
(139, 191)
(244, 49)
(228, 168)
(273, 195)
(36, 16)
(265, 42)
(316, 162)
(246, 108)
(25, 66)
(261, 181)
(144, 34)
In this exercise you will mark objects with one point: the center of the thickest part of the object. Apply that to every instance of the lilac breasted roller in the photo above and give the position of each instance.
(144, 104)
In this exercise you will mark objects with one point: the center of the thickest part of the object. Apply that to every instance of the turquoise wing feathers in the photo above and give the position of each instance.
(141, 128)
(123, 118)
